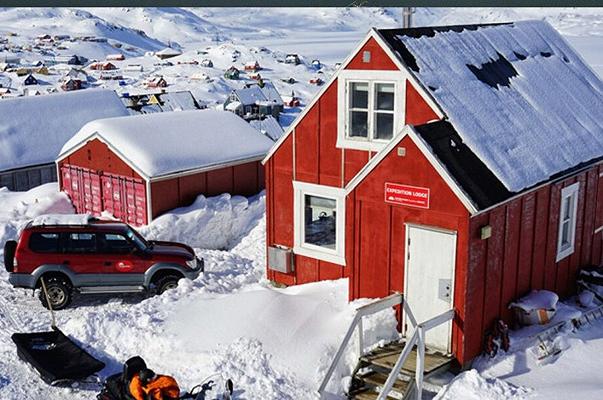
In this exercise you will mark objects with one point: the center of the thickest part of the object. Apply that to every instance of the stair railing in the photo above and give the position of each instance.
(418, 339)
(361, 312)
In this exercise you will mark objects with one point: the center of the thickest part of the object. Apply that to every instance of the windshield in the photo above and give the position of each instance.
(137, 239)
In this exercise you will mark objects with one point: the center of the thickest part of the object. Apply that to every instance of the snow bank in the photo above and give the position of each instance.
(63, 219)
(470, 385)
(18, 208)
(209, 223)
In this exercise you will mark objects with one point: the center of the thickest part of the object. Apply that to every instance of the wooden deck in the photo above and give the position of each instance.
(387, 356)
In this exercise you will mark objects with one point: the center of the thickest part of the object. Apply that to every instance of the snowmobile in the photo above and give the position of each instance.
(116, 387)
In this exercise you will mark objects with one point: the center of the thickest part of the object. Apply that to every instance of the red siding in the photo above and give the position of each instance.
(524, 243)
(377, 265)
(96, 155)
(417, 110)
(378, 60)
(243, 179)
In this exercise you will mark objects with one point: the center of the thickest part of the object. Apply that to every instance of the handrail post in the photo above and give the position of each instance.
(393, 375)
(360, 338)
(420, 361)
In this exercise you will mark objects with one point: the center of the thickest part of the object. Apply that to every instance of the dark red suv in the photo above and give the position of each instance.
(95, 257)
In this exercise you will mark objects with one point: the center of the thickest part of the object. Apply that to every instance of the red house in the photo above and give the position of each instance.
(459, 165)
(138, 167)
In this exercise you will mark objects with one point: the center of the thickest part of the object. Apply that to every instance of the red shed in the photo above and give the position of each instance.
(459, 165)
(138, 167)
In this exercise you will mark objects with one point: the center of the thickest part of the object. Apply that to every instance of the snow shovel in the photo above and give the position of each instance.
(57, 358)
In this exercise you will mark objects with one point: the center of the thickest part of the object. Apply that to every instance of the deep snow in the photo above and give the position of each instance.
(275, 343)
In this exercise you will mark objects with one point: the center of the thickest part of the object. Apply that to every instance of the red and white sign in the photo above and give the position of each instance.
(406, 195)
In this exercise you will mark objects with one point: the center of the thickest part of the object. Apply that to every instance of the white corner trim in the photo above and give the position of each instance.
(571, 191)
(336, 256)
(426, 151)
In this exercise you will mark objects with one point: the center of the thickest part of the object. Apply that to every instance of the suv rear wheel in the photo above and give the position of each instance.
(166, 282)
(59, 292)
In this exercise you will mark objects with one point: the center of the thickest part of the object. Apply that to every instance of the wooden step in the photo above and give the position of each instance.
(369, 395)
(386, 357)
(378, 379)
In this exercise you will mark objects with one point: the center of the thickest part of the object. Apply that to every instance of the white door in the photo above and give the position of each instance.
(429, 276)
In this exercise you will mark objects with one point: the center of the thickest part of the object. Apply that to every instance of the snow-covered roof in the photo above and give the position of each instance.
(255, 94)
(33, 129)
(269, 126)
(168, 51)
(519, 96)
(164, 143)
(178, 101)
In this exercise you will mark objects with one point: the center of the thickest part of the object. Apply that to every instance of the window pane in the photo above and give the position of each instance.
(81, 243)
(44, 242)
(320, 221)
(566, 208)
(112, 243)
(359, 95)
(384, 96)
(565, 233)
(359, 124)
(384, 126)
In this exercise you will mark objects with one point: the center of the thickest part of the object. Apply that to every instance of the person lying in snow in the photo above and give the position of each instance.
(147, 385)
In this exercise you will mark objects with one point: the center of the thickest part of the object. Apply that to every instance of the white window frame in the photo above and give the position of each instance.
(343, 110)
(300, 189)
(568, 193)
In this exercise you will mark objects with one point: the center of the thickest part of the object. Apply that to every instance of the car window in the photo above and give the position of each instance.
(44, 242)
(80, 243)
(114, 243)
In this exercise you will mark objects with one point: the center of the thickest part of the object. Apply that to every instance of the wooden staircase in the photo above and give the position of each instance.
(374, 367)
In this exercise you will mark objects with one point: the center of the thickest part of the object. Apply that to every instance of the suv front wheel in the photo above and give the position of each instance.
(59, 292)
(166, 282)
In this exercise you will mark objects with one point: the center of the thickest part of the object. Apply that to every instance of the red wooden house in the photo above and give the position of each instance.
(138, 167)
(459, 165)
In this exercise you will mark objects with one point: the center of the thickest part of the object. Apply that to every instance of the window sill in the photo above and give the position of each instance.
(564, 254)
(367, 145)
(319, 255)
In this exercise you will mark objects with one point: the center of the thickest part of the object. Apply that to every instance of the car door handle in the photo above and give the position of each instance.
(66, 262)
(107, 263)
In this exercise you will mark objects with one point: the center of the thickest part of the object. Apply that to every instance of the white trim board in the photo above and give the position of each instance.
(425, 150)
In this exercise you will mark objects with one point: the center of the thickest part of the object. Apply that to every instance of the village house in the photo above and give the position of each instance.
(115, 57)
(255, 101)
(34, 129)
(168, 52)
(69, 84)
(103, 66)
(30, 80)
(232, 73)
(155, 82)
(161, 101)
(460, 166)
(138, 167)
(292, 59)
(252, 66)
(206, 62)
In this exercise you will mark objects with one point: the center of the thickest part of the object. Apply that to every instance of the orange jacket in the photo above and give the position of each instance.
(163, 387)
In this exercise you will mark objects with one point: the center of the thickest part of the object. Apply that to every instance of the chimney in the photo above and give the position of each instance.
(407, 17)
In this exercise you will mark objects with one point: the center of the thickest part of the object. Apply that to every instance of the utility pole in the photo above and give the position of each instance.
(407, 17)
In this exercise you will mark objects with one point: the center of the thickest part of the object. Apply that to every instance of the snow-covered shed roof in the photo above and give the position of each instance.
(269, 126)
(160, 144)
(33, 129)
(517, 94)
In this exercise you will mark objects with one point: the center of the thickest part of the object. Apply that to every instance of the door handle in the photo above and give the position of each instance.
(107, 263)
(66, 262)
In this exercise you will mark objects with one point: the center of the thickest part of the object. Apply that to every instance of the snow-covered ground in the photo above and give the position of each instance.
(274, 343)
